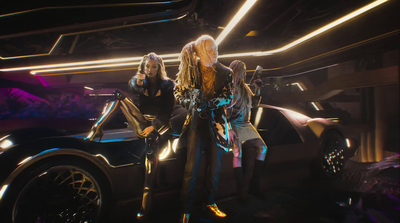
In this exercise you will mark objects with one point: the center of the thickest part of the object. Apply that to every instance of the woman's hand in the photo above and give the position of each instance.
(232, 137)
(234, 140)
(140, 79)
(147, 131)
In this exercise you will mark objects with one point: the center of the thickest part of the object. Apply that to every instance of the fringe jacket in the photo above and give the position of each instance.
(215, 107)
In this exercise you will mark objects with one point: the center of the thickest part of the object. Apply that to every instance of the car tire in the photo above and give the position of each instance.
(58, 190)
(331, 159)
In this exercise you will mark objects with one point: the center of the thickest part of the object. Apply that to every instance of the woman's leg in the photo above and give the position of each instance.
(258, 167)
(214, 160)
(195, 139)
(238, 172)
(109, 110)
(151, 164)
(153, 143)
(133, 115)
(131, 112)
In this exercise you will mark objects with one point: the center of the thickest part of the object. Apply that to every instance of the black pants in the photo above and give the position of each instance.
(199, 140)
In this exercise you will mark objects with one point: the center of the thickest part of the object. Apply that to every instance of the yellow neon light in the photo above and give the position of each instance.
(298, 85)
(239, 15)
(316, 106)
(243, 10)
(117, 60)
(34, 72)
(3, 189)
(89, 88)
(244, 54)
(324, 28)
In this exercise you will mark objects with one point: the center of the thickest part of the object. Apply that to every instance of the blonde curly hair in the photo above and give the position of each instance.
(188, 73)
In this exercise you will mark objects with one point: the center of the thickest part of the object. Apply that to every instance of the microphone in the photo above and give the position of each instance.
(256, 78)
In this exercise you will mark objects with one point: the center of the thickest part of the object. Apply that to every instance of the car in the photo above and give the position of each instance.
(50, 175)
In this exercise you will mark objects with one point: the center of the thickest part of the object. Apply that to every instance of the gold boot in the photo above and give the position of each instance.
(133, 115)
(108, 113)
(95, 132)
(184, 218)
(214, 210)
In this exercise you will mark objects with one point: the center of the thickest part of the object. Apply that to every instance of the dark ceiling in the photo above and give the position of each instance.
(87, 30)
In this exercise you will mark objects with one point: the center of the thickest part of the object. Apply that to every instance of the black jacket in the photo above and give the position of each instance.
(161, 104)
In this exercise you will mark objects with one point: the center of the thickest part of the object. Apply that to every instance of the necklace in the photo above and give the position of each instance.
(208, 79)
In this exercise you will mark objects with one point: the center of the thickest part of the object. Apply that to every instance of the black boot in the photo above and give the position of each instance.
(255, 187)
(241, 187)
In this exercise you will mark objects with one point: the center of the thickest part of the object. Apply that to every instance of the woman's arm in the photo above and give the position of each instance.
(182, 96)
(255, 97)
(137, 83)
(224, 97)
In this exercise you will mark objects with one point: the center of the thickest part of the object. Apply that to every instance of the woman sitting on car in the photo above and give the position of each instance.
(150, 121)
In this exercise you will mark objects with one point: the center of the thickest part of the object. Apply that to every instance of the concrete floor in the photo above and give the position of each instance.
(355, 197)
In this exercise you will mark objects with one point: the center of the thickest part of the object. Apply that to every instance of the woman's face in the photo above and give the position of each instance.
(209, 54)
(151, 68)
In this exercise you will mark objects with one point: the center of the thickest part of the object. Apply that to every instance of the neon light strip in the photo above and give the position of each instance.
(298, 85)
(324, 28)
(34, 72)
(85, 63)
(246, 6)
(265, 69)
(3, 189)
(84, 67)
(244, 54)
(239, 15)
(88, 88)
(85, 6)
(316, 107)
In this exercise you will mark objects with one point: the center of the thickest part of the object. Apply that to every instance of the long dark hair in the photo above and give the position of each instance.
(241, 92)
(161, 73)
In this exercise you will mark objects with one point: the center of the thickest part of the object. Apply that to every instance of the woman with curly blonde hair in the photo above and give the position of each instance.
(204, 88)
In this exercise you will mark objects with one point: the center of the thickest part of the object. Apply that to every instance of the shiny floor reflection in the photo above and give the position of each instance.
(357, 196)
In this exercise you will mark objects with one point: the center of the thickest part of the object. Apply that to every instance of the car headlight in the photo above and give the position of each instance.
(5, 143)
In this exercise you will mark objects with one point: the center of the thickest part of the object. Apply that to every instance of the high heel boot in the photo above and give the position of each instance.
(95, 132)
(184, 218)
(108, 112)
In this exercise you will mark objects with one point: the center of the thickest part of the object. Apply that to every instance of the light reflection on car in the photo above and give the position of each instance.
(77, 180)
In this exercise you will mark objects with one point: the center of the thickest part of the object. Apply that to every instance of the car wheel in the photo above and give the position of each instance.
(331, 161)
(59, 191)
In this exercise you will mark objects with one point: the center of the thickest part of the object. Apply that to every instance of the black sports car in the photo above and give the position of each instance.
(50, 175)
